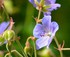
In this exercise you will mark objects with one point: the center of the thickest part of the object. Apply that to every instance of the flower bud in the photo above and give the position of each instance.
(2, 40)
(8, 34)
(28, 49)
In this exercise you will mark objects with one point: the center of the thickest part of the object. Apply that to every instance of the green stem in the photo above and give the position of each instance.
(8, 50)
(17, 53)
(33, 41)
(61, 54)
(21, 48)
(57, 43)
(39, 13)
(7, 47)
(28, 39)
(35, 49)
(65, 49)
(14, 51)
(6, 55)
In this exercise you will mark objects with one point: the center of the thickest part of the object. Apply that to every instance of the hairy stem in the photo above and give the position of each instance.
(57, 43)
(35, 49)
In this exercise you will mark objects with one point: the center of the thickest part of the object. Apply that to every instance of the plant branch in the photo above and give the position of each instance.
(57, 43)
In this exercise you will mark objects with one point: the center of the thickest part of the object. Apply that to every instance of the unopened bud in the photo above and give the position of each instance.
(28, 49)
(8, 34)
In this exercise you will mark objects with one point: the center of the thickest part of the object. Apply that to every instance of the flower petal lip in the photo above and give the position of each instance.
(43, 42)
(3, 26)
(54, 27)
(54, 7)
(47, 13)
(50, 1)
(46, 21)
(38, 31)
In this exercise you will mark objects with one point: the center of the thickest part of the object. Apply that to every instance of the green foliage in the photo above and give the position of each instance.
(22, 12)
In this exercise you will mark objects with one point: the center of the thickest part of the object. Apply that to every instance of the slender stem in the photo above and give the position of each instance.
(61, 54)
(21, 48)
(7, 47)
(14, 51)
(39, 13)
(17, 53)
(33, 41)
(57, 43)
(35, 49)
(8, 50)
(6, 55)
(65, 49)
(28, 39)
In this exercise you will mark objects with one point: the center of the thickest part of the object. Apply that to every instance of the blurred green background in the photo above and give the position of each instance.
(23, 12)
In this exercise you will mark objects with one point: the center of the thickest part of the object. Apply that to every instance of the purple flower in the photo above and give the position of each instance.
(3, 26)
(45, 32)
(51, 3)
